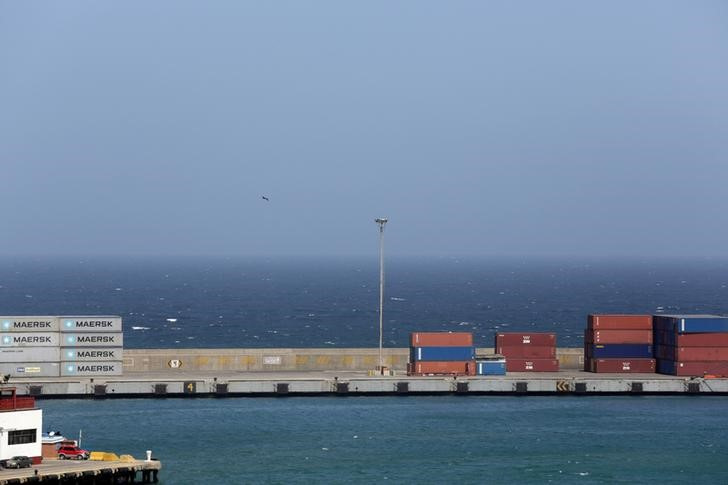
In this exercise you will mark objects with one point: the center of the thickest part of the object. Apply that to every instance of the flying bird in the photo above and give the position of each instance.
(265, 198)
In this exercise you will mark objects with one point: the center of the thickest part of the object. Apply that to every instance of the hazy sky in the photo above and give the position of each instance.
(476, 127)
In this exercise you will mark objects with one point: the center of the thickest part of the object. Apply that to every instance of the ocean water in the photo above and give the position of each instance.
(428, 440)
(333, 302)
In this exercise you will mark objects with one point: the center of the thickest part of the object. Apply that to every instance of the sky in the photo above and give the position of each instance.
(476, 127)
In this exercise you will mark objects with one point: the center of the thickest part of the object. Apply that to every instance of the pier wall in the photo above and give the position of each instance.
(273, 360)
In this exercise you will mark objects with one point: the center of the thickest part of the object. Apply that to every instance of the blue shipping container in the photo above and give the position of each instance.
(618, 351)
(691, 323)
(442, 353)
(491, 368)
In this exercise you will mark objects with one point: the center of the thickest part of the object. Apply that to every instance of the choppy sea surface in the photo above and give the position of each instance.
(429, 440)
(333, 302)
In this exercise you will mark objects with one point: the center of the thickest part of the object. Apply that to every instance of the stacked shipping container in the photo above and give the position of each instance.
(29, 346)
(528, 352)
(91, 346)
(51, 346)
(441, 353)
(619, 343)
(691, 345)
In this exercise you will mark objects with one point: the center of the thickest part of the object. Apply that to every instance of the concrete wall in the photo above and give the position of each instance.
(361, 359)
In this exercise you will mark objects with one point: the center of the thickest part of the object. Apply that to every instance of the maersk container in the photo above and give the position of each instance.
(29, 324)
(69, 369)
(29, 339)
(691, 323)
(442, 353)
(491, 367)
(30, 369)
(441, 339)
(91, 324)
(30, 354)
(619, 322)
(90, 354)
(618, 351)
(92, 339)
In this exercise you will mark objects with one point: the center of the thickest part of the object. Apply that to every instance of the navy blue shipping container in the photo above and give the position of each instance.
(619, 351)
(442, 353)
(491, 367)
(690, 323)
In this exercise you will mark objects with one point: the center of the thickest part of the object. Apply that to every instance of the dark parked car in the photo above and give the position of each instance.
(18, 462)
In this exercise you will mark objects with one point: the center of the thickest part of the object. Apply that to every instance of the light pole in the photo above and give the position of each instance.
(381, 221)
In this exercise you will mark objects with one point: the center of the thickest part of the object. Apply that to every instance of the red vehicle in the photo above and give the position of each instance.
(72, 453)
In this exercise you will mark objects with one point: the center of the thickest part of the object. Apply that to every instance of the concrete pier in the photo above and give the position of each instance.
(84, 472)
(347, 383)
(343, 372)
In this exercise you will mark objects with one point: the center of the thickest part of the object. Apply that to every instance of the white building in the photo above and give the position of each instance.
(20, 426)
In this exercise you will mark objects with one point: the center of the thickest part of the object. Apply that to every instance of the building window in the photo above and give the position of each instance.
(22, 436)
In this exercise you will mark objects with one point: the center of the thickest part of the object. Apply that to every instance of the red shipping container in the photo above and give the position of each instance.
(622, 365)
(511, 339)
(441, 339)
(618, 336)
(698, 339)
(527, 352)
(619, 322)
(532, 365)
(700, 369)
(692, 354)
(461, 368)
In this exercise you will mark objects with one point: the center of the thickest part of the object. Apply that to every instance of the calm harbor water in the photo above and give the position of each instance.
(412, 439)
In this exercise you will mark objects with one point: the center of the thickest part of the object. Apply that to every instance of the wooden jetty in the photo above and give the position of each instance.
(85, 472)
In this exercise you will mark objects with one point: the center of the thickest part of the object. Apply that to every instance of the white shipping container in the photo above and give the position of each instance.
(69, 369)
(90, 324)
(29, 324)
(30, 339)
(30, 354)
(92, 339)
(90, 354)
(32, 369)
